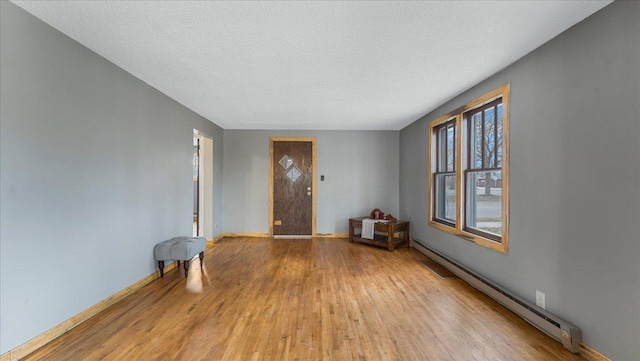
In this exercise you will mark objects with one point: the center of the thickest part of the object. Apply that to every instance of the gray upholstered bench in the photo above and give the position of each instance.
(179, 249)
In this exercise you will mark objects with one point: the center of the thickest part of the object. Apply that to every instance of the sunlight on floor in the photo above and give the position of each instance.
(194, 277)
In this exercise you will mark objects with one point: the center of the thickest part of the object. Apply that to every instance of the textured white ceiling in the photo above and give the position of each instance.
(312, 65)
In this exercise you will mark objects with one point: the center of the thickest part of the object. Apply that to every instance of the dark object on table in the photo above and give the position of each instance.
(376, 214)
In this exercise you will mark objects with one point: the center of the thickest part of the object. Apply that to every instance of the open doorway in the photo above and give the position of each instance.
(202, 185)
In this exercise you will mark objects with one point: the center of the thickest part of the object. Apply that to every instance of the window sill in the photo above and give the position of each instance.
(471, 237)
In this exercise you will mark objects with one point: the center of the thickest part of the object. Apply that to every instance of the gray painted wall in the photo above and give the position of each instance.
(95, 169)
(360, 167)
(574, 181)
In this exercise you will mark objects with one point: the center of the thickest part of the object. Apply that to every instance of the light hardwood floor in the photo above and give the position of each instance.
(321, 299)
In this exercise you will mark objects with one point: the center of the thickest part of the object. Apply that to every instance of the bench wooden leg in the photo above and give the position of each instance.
(161, 266)
(201, 255)
(186, 268)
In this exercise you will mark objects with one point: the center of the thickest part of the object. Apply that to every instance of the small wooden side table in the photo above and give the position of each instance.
(384, 233)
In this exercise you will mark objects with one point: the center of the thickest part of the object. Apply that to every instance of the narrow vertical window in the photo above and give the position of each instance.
(444, 178)
(483, 176)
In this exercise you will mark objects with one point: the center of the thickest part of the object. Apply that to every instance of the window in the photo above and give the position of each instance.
(469, 171)
(444, 177)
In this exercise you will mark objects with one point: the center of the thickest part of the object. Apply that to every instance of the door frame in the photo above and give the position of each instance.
(205, 184)
(312, 140)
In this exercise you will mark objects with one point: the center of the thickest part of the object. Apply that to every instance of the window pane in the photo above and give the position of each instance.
(489, 138)
(450, 148)
(476, 141)
(499, 136)
(442, 151)
(484, 202)
(445, 200)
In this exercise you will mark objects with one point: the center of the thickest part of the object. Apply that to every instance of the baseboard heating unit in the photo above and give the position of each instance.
(569, 335)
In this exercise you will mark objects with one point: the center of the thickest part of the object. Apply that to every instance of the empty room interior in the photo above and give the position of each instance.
(384, 180)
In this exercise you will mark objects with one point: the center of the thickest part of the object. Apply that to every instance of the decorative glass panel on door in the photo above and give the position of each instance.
(293, 174)
(286, 162)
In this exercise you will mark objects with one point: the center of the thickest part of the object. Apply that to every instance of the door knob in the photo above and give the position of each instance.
(308, 193)
(308, 188)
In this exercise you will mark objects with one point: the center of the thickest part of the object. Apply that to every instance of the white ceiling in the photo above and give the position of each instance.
(312, 65)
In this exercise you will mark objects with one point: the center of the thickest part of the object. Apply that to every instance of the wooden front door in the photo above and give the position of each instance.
(292, 187)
